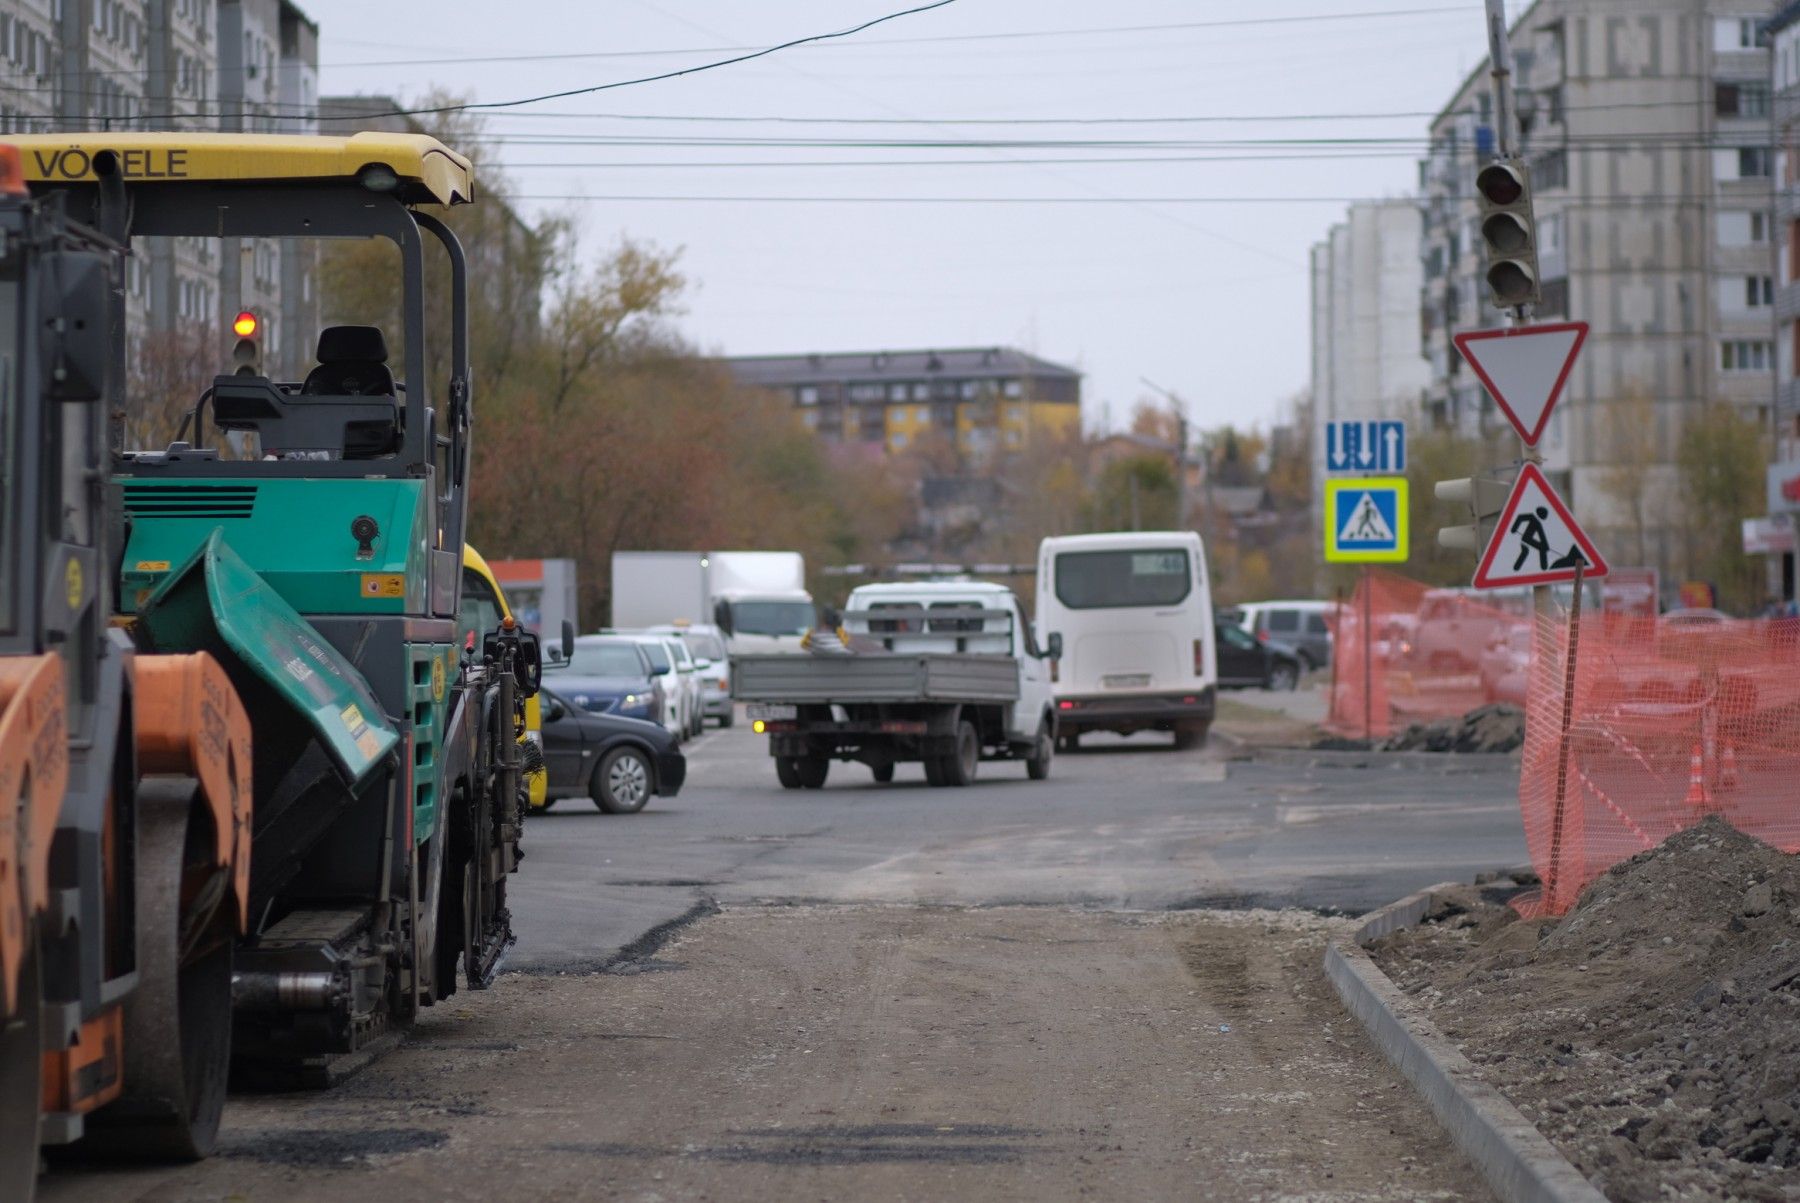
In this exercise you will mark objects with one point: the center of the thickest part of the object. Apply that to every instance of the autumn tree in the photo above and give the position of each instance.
(1627, 429)
(1721, 464)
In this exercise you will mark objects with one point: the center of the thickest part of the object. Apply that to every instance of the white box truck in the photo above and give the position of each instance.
(758, 599)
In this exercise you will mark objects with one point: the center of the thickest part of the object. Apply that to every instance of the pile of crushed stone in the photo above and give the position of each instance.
(1495, 728)
(1653, 1032)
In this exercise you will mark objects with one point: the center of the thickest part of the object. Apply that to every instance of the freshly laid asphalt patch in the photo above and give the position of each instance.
(866, 1052)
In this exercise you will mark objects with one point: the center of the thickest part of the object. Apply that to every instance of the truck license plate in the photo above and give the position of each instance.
(770, 712)
(1126, 680)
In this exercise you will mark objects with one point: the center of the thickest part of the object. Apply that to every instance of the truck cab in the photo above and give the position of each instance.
(943, 616)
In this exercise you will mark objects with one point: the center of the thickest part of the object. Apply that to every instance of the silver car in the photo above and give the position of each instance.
(707, 645)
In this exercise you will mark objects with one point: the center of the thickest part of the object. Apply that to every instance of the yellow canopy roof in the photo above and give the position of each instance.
(428, 170)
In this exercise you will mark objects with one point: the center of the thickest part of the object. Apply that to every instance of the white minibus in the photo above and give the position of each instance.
(1134, 610)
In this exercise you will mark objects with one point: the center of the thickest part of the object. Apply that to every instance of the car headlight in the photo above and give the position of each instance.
(581, 700)
(632, 699)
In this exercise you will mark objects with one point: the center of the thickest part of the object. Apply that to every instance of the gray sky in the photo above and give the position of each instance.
(1209, 300)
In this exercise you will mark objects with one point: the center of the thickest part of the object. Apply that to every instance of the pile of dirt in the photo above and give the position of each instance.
(1653, 1033)
(1495, 728)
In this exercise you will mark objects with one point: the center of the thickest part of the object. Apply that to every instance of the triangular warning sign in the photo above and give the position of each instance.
(1366, 523)
(1524, 369)
(1536, 540)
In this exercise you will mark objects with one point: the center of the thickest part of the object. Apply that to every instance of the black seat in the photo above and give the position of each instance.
(352, 363)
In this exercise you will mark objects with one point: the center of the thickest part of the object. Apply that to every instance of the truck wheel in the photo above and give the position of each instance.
(1037, 765)
(959, 768)
(621, 784)
(884, 773)
(812, 771)
(787, 771)
(178, 1021)
(21, 1079)
(934, 771)
(1189, 737)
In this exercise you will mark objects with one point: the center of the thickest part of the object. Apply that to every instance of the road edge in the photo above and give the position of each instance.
(1518, 1161)
(1447, 763)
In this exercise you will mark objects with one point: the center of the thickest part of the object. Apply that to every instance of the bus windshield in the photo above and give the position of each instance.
(1107, 580)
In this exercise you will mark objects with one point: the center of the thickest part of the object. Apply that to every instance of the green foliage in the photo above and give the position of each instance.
(1133, 493)
(1722, 462)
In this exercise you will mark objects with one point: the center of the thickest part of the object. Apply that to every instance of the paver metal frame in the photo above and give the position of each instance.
(1518, 1162)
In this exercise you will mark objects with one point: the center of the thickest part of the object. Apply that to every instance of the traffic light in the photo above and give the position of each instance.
(247, 355)
(1509, 231)
(1485, 497)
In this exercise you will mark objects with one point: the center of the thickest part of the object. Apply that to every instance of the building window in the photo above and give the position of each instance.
(1013, 388)
(897, 440)
(1556, 298)
(1759, 227)
(1759, 292)
(1551, 170)
(921, 392)
(897, 392)
(1550, 234)
(867, 392)
(808, 394)
(1754, 162)
(1744, 355)
(1745, 98)
(1734, 33)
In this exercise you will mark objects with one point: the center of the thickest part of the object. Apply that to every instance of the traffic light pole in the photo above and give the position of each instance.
(1506, 143)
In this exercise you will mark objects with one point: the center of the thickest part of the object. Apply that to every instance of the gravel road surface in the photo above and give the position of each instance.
(1017, 991)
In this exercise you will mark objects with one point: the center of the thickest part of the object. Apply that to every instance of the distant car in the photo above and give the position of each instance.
(1248, 663)
(1505, 665)
(693, 703)
(707, 643)
(1694, 617)
(673, 715)
(1299, 624)
(608, 674)
(618, 762)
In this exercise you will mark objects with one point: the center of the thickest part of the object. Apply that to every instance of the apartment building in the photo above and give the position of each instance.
(983, 400)
(1646, 127)
(1367, 359)
(234, 65)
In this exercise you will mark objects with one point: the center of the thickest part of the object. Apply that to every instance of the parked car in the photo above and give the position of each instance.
(1299, 624)
(1505, 665)
(1248, 663)
(618, 762)
(673, 715)
(693, 702)
(608, 674)
(707, 643)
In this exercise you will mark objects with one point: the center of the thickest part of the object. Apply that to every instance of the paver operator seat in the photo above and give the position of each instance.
(347, 408)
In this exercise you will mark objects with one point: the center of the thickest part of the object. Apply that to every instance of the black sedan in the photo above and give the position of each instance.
(1248, 662)
(618, 762)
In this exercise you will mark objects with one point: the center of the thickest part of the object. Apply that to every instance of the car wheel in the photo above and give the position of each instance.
(884, 773)
(960, 766)
(621, 783)
(1189, 737)
(1283, 677)
(550, 803)
(729, 717)
(1037, 765)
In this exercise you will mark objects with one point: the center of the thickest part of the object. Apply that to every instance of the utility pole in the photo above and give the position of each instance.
(1181, 450)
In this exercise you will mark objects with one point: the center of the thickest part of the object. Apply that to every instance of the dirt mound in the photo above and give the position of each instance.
(1653, 1033)
(1495, 728)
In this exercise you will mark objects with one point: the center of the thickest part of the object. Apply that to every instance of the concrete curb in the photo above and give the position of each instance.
(1518, 1162)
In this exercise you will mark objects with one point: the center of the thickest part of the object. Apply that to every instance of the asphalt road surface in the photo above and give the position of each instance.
(1105, 985)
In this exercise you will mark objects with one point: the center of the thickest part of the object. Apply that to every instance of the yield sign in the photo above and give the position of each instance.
(1536, 540)
(1524, 369)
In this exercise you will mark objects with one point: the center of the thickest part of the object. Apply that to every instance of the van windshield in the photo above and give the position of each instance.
(771, 617)
(1106, 580)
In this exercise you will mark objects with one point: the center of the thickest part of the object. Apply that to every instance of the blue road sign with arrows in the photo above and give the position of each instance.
(1365, 446)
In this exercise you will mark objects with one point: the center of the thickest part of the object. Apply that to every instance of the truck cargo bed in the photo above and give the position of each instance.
(875, 677)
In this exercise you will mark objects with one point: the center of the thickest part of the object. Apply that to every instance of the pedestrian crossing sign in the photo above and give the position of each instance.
(1365, 520)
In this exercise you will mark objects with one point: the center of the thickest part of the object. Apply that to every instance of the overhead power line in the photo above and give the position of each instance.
(1238, 23)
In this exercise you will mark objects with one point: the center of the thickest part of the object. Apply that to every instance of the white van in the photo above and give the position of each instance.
(1134, 611)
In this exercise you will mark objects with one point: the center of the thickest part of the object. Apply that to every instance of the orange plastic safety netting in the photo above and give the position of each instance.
(1670, 719)
(1404, 652)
